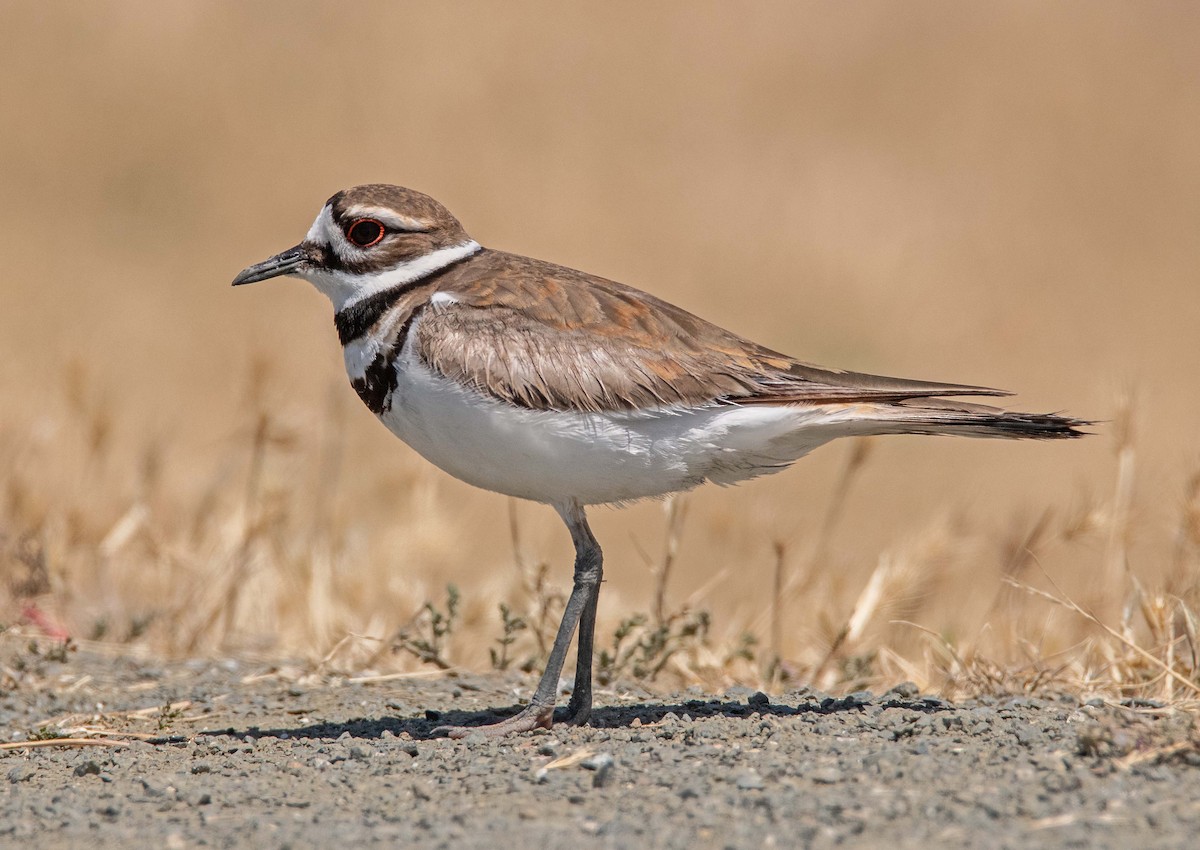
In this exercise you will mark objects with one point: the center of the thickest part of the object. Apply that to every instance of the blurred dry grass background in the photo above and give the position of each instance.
(1003, 193)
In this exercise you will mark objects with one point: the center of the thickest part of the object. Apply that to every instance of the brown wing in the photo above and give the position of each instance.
(546, 337)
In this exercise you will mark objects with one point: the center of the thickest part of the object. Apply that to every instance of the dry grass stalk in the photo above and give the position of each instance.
(802, 580)
(774, 672)
(1119, 635)
(544, 602)
(676, 510)
(1116, 556)
(63, 742)
(158, 567)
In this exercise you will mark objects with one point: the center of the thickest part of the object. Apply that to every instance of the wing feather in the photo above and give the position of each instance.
(542, 336)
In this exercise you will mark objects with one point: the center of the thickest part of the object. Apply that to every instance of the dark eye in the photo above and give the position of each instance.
(365, 232)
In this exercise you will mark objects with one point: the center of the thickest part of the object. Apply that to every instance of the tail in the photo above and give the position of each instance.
(935, 416)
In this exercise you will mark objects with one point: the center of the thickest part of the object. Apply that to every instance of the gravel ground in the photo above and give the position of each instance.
(229, 754)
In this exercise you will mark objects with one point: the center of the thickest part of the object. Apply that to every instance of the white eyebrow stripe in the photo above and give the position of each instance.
(441, 298)
(389, 218)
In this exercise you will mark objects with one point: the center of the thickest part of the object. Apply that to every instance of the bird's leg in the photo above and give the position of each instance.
(581, 605)
(579, 709)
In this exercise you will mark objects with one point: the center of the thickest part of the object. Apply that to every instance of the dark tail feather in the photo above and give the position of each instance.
(934, 416)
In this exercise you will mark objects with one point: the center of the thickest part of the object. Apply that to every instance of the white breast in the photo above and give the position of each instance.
(552, 456)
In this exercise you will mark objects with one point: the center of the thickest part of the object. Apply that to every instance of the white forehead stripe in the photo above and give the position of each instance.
(321, 230)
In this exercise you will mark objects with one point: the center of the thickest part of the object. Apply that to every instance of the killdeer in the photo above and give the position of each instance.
(545, 383)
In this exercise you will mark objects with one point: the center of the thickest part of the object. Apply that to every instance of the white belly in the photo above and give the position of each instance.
(553, 457)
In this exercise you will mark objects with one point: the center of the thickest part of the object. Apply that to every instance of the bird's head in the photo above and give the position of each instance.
(370, 239)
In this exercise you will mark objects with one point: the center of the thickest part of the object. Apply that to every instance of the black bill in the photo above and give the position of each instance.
(283, 263)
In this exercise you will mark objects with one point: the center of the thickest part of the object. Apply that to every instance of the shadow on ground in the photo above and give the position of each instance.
(615, 717)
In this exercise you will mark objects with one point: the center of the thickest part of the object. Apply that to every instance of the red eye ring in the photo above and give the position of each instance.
(365, 232)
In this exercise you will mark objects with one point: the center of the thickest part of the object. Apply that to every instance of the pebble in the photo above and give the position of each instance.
(750, 781)
(904, 690)
(152, 789)
(746, 771)
(602, 764)
(597, 761)
(825, 775)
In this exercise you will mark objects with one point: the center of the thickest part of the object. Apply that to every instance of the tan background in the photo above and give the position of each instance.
(1003, 193)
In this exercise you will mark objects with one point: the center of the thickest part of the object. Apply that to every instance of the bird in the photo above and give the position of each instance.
(545, 383)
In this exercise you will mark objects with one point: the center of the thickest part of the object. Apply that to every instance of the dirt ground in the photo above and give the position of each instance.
(236, 754)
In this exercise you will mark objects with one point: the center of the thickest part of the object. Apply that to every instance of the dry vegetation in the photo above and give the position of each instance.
(250, 562)
(183, 471)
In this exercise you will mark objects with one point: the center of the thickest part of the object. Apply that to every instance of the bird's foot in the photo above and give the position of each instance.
(578, 713)
(526, 720)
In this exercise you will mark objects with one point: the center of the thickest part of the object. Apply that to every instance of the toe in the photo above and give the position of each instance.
(528, 719)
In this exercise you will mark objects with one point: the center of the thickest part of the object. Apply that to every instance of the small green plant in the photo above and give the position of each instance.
(426, 635)
(59, 650)
(644, 644)
(46, 733)
(858, 670)
(642, 651)
(168, 714)
(512, 626)
(138, 625)
(744, 650)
